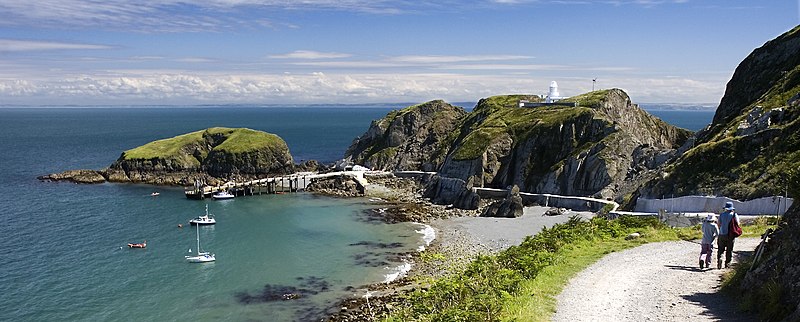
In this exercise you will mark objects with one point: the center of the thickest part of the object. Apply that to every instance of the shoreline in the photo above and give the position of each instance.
(458, 237)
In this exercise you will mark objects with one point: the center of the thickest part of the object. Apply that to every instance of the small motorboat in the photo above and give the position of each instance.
(137, 245)
(222, 195)
(155, 193)
(207, 219)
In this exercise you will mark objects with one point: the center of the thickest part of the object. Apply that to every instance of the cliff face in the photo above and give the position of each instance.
(408, 139)
(758, 74)
(755, 137)
(589, 149)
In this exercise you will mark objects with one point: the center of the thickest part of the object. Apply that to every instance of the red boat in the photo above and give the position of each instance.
(137, 245)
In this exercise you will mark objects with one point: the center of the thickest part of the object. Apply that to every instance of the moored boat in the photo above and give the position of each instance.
(222, 195)
(202, 257)
(207, 219)
(137, 245)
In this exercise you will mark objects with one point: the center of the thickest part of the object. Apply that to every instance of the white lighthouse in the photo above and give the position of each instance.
(553, 96)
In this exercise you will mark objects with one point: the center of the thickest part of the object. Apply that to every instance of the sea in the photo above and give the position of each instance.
(64, 245)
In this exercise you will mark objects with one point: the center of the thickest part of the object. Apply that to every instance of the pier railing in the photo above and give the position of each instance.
(279, 184)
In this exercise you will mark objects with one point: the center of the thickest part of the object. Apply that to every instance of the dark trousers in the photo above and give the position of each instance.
(725, 244)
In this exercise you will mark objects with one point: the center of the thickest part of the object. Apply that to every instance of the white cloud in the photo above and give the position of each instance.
(348, 64)
(309, 54)
(187, 88)
(201, 16)
(195, 60)
(513, 67)
(432, 59)
(9, 45)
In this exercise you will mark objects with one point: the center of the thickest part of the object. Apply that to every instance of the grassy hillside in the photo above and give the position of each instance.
(500, 114)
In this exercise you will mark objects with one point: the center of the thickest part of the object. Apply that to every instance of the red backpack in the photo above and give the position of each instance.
(734, 230)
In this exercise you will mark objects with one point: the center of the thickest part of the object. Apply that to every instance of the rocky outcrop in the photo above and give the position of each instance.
(596, 148)
(409, 139)
(588, 150)
(773, 63)
(754, 139)
(211, 156)
(340, 185)
(451, 191)
(77, 176)
(510, 207)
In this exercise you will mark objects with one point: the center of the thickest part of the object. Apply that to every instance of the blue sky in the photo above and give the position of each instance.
(359, 51)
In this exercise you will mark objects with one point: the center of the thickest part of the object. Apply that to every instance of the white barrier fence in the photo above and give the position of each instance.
(776, 205)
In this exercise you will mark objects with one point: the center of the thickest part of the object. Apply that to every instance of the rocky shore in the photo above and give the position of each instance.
(461, 236)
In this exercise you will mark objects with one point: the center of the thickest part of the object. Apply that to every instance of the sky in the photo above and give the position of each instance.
(146, 52)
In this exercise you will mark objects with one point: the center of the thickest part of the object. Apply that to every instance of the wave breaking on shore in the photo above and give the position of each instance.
(428, 235)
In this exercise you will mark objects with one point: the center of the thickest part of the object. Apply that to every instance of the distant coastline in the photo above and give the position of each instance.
(678, 106)
(466, 105)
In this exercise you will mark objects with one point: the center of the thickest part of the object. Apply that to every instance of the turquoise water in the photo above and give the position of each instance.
(64, 244)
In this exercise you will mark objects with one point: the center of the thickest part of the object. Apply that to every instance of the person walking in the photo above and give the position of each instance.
(710, 232)
(725, 240)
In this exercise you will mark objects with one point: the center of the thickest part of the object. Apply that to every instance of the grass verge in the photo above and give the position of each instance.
(520, 283)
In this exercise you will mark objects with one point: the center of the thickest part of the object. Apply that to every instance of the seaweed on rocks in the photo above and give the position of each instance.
(270, 293)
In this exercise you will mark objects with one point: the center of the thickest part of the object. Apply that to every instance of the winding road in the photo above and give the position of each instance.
(652, 282)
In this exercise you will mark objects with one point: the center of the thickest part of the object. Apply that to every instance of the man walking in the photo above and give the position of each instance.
(725, 239)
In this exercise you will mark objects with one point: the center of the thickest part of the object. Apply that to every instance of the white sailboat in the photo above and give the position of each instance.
(206, 219)
(202, 257)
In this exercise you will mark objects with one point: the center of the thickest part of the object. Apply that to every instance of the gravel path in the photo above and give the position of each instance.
(652, 282)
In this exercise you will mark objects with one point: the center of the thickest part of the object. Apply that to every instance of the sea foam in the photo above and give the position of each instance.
(397, 272)
(428, 235)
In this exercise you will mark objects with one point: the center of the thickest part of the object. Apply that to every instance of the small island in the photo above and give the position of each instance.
(213, 155)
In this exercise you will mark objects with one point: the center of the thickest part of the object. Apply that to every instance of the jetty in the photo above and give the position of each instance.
(272, 185)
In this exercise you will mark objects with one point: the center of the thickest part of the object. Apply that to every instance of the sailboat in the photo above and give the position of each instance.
(202, 257)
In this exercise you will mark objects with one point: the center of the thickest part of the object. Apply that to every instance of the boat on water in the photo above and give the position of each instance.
(201, 257)
(155, 193)
(137, 245)
(207, 219)
(222, 195)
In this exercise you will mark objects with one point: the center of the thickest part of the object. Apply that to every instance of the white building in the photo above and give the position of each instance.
(553, 96)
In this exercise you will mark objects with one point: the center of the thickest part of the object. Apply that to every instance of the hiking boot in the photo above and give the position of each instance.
(719, 263)
(701, 264)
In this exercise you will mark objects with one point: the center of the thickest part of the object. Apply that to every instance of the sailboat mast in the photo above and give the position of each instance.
(198, 238)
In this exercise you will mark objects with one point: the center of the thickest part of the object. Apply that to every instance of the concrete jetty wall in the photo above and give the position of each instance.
(776, 205)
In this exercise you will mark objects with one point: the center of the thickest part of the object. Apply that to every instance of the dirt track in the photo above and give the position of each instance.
(652, 282)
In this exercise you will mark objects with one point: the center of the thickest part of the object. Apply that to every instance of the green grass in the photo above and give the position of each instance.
(181, 147)
(590, 99)
(500, 114)
(537, 300)
(246, 140)
(164, 148)
(521, 283)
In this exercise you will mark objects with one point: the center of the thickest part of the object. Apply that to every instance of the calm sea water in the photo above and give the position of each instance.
(64, 244)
